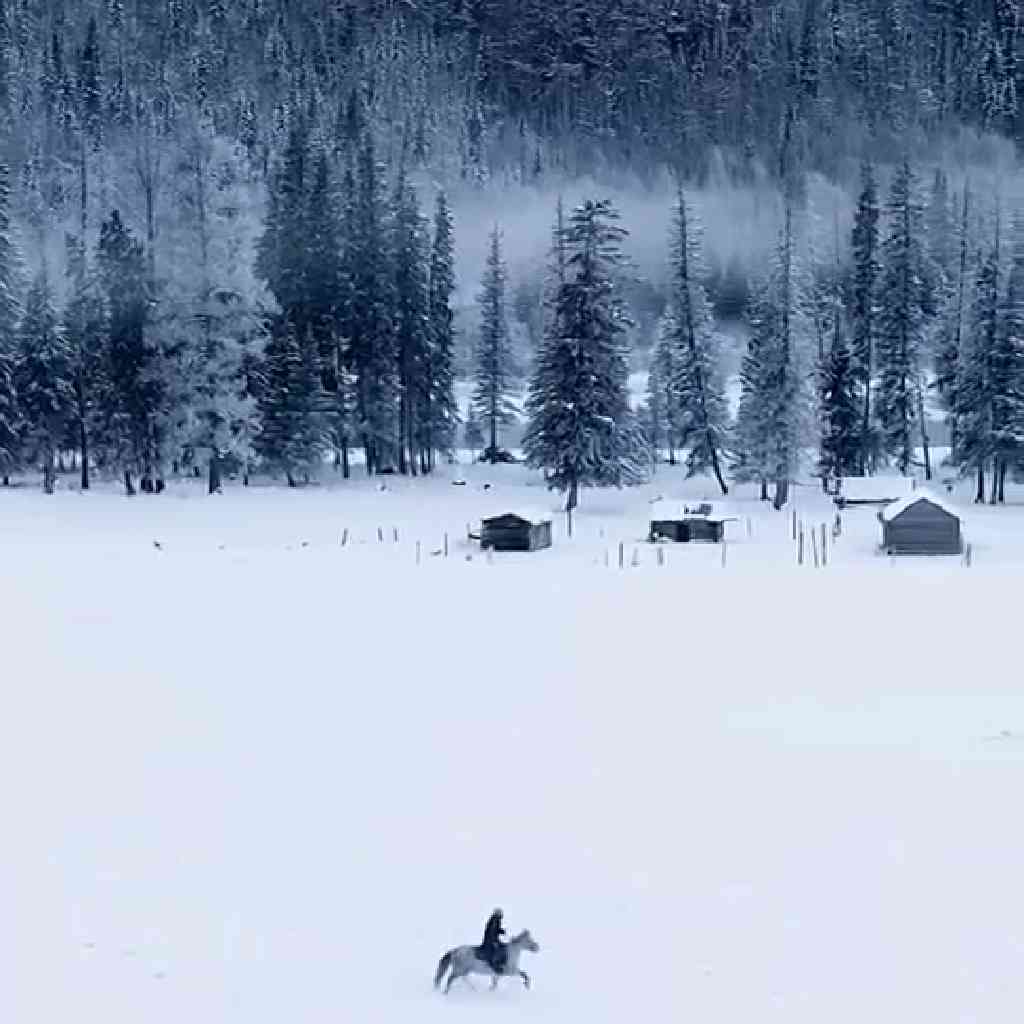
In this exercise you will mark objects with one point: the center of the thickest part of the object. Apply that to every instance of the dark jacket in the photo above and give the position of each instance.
(493, 932)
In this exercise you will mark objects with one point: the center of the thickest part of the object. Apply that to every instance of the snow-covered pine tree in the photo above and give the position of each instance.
(662, 399)
(1007, 366)
(325, 292)
(442, 412)
(775, 404)
(224, 343)
(863, 316)
(901, 321)
(1009, 412)
(369, 326)
(127, 405)
(290, 438)
(10, 312)
(749, 463)
(977, 385)
(473, 433)
(695, 384)
(43, 379)
(581, 429)
(85, 332)
(411, 321)
(491, 399)
(949, 326)
(840, 412)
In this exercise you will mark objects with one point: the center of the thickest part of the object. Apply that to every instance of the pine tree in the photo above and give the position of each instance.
(10, 312)
(473, 434)
(369, 320)
(901, 321)
(664, 415)
(863, 314)
(129, 404)
(85, 330)
(977, 385)
(840, 442)
(411, 322)
(1008, 414)
(695, 383)
(43, 378)
(774, 418)
(290, 440)
(442, 413)
(493, 356)
(581, 429)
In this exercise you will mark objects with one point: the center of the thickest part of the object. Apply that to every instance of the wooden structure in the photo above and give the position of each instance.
(520, 530)
(921, 524)
(872, 490)
(682, 524)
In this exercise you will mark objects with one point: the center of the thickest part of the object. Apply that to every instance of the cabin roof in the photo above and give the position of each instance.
(897, 508)
(533, 516)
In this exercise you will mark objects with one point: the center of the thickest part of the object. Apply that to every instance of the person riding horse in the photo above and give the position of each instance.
(492, 950)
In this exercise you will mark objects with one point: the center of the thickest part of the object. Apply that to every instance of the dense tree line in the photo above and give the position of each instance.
(212, 250)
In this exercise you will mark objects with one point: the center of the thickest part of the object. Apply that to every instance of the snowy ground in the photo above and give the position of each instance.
(255, 776)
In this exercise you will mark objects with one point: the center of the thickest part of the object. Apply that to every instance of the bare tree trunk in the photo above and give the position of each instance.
(924, 435)
(993, 495)
(1002, 481)
(129, 487)
(781, 494)
(979, 495)
(764, 489)
(346, 470)
(49, 471)
(83, 444)
(717, 467)
(214, 481)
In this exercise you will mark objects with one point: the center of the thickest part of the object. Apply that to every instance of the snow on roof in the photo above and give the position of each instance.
(867, 487)
(670, 510)
(897, 508)
(528, 514)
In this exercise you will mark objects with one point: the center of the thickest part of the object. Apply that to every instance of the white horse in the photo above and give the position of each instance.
(463, 960)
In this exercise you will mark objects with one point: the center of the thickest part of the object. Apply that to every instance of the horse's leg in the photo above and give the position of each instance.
(451, 977)
(526, 979)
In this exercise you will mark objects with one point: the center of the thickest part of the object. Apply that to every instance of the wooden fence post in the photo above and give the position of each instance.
(824, 546)
(800, 547)
(622, 555)
(417, 552)
(344, 536)
(380, 535)
(814, 546)
(725, 548)
(446, 544)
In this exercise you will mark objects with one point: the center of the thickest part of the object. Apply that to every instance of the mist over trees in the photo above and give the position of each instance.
(229, 233)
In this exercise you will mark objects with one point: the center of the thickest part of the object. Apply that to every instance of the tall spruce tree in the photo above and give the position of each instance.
(369, 326)
(85, 332)
(290, 438)
(491, 399)
(442, 413)
(43, 378)
(662, 397)
(774, 418)
(581, 429)
(901, 321)
(411, 322)
(863, 317)
(129, 403)
(10, 312)
(840, 413)
(695, 380)
(1008, 414)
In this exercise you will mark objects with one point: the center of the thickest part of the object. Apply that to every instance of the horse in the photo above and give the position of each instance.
(464, 960)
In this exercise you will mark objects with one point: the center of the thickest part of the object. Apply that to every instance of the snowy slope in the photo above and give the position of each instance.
(253, 781)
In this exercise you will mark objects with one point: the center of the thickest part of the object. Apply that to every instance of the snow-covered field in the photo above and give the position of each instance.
(252, 775)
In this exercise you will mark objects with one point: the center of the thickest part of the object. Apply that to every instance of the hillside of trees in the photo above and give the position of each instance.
(227, 235)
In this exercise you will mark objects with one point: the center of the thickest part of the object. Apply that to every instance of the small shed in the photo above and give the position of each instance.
(517, 530)
(872, 490)
(681, 523)
(920, 524)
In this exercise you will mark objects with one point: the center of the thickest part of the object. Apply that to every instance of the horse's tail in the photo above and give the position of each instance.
(443, 966)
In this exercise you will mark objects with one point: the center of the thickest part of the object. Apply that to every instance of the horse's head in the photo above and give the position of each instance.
(524, 940)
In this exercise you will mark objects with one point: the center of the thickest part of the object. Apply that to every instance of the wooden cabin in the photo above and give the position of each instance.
(921, 524)
(682, 523)
(852, 491)
(519, 530)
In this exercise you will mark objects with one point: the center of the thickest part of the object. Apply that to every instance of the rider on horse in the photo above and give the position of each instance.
(492, 950)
